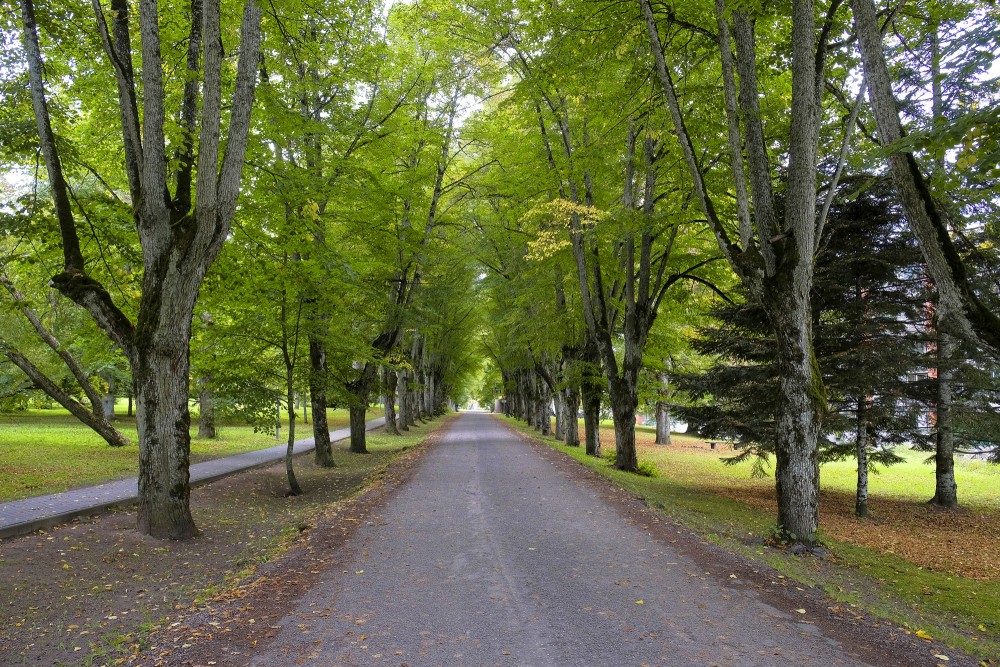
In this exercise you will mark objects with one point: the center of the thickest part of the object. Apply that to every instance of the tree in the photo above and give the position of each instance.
(606, 194)
(773, 252)
(94, 416)
(180, 231)
(955, 39)
(328, 95)
(868, 304)
(961, 311)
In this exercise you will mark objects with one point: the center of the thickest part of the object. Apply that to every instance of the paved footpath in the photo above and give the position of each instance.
(24, 516)
(492, 554)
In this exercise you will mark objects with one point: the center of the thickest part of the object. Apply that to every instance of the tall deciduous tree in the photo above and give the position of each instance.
(774, 250)
(183, 192)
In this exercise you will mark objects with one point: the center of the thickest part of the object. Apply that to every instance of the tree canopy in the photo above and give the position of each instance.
(552, 207)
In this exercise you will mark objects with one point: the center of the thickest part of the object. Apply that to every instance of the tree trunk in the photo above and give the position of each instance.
(414, 398)
(801, 404)
(163, 421)
(95, 420)
(544, 417)
(128, 410)
(418, 396)
(623, 405)
(293, 484)
(389, 397)
(592, 418)
(663, 412)
(404, 401)
(323, 453)
(206, 410)
(861, 448)
(541, 405)
(526, 400)
(560, 400)
(108, 407)
(358, 432)
(571, 405)
(945, 487)
(108, 399)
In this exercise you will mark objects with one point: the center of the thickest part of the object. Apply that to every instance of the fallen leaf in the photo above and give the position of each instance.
(942, 657)
(800, 611)
(639, 602)
(923, 634)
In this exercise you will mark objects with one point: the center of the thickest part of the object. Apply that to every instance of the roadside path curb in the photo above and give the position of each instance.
(20, 517)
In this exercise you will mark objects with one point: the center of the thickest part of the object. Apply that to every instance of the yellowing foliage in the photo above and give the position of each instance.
(554, 219)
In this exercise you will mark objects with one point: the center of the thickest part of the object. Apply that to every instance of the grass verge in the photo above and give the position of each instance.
(693, 488)
(48, 451)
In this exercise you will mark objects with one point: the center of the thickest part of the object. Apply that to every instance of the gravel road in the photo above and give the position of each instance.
(495, 554)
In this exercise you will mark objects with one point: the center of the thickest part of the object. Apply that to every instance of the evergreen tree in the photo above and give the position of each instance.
(869, 304)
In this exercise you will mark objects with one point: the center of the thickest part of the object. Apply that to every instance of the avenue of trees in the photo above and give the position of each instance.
(777, 221)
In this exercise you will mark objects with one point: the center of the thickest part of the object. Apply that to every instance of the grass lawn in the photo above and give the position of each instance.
(925, 568)
(46, 451)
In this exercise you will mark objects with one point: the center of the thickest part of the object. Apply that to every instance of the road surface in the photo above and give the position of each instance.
(495, 553)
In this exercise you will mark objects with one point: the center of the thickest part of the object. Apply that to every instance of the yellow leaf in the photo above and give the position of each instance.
(639, 602)
(923, 635)
(982, 628)
(311, 210)
(800, 611)
(942, 657)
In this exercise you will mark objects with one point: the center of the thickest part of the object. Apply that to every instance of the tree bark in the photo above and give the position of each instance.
(799, 418)
(293, 484)
(163, 421)
(571, 406)
(95, 421)
(109, 398)
(592, 418)
(560, 400)
(623, 405)
(206, 411)
(663, 412)
(404, 400)
(545, 420)
(389, 397)
(429, 394)
(960, 312)
(323, 453)
(945, 486)
(861, 449)
(358, 441)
